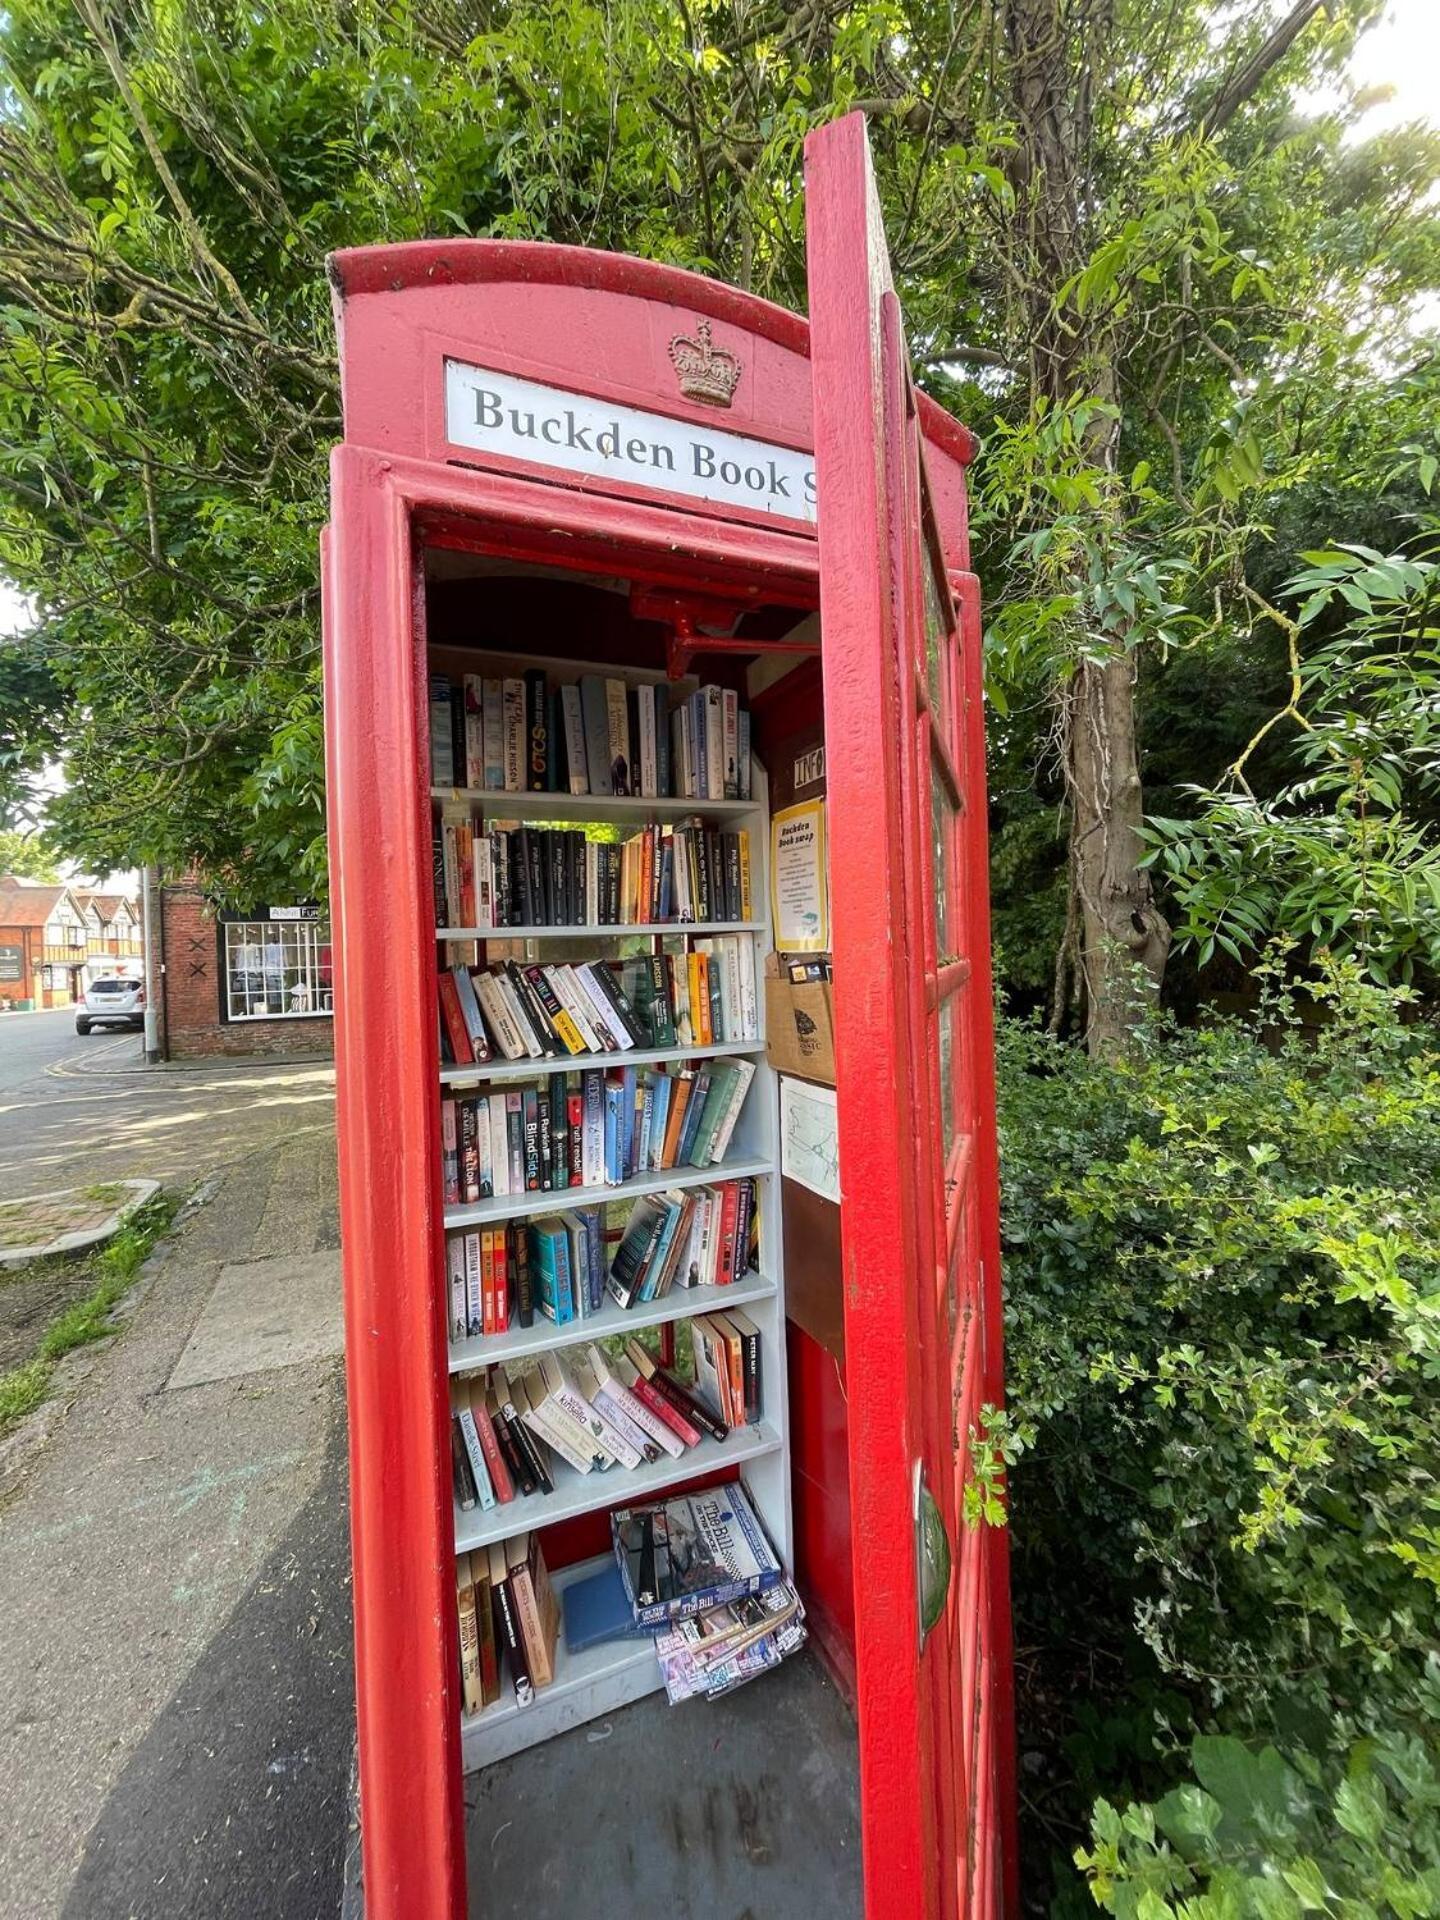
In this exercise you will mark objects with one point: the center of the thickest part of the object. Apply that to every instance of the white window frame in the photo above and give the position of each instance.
(299, 943)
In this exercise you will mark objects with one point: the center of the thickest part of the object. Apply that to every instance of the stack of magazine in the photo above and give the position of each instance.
(698, 1572)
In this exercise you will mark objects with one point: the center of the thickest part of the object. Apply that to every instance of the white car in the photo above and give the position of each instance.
(112, 1002)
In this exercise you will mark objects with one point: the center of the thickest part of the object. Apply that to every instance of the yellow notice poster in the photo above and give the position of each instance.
(799, 901)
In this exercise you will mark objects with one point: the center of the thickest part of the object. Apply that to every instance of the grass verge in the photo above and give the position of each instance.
(113, 1268)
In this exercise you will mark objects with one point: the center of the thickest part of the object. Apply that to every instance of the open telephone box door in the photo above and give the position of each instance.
(560, 464)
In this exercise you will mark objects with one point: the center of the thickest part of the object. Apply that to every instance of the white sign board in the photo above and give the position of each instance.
(499, 413)
(810, 1136)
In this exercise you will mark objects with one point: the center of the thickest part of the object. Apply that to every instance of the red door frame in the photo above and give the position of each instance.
(905, 754)
(393, 488)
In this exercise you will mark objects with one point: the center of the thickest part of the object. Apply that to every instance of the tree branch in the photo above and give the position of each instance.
(1243, 84)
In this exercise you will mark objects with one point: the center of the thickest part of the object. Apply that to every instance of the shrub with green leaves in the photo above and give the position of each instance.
(1223, 1280)
(1274, 1837)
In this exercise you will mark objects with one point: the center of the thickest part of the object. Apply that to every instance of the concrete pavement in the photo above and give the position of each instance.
(76, 1110)
(176, 1715)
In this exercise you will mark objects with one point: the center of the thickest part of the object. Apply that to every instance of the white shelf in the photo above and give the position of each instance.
(607, 931)
(581, 808)
(496, 1071)
(679, 1304)
(595, 1681)
(595, 1492)
(520, 1206)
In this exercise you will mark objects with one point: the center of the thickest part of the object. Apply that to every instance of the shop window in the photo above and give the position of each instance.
(276, 970)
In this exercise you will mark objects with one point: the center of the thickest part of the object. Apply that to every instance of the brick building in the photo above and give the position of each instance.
(42, 944)
(257, 983)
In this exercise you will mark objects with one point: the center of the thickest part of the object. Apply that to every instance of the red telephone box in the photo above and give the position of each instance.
(584, 462)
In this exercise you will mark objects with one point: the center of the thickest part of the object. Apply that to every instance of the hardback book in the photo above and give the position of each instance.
(472, 1684)
(508, 1632)
(692, 1552)
(597, 1610)
(535, 1605)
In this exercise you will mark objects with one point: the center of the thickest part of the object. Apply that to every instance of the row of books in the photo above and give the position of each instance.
(524, 734)
(619, 1123)
(546, 876)
(530, 1011)
(508, 1618)
(563, 1266)
(514, 1425)
(695, 1572)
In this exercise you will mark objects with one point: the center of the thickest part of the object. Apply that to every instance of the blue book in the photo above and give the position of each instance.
(691, 1124)
(550, 1270)
(627, 1122)
(656, 1264)
(595, 1224)
(614, 1165)
(598, 1609)
(659, 1116)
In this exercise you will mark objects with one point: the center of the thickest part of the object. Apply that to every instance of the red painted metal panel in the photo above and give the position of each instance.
(387, 1066)
(905, 760)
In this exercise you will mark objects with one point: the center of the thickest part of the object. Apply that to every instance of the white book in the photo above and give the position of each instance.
(600, 1016)
(617, 1381)
(574, 723)
(484, 855)
(503, 1029)
(542, 1420)
(519, 1013)
(493, 732)
(499, 1143)
(730, 707)
(513, 707)
(474, 730)
(455, 1267)
(649, 754)
(608, 1404)
(592, 1139)
(730, 988)
(714, 787)
(679, 758)
(451, 856)
(571, 999)
(562, 1387)
(592, 883)
(548, 1397)
(744, 1074)
(614, 1025)
(749, 996)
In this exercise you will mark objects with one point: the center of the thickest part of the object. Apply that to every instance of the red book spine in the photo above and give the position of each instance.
(454, 1019)
(495, 1460)
(729, 1222)
(575, 1105)
(502, 1281)
(487, 1282)
(665, 1410)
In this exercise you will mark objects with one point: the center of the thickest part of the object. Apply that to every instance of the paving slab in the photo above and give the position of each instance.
(264, 1314)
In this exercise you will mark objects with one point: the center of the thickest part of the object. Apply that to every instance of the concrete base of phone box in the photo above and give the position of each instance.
(746, 1805)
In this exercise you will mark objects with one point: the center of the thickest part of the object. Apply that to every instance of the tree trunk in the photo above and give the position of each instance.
(1124, 939)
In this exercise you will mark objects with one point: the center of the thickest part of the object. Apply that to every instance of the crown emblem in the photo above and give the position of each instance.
(707, 373)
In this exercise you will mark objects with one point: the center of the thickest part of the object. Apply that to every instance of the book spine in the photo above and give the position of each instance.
(511, 1637)
(474, 1293)
(513, 708)
(684, 1402)
(614, 1411)
(575, 1112)
(455, 1267)
(673, 1418)
(472, 1684)
(500, 1478)
(494, 733)
(442, 760)
(461, 1478)
(475, 1454)
(528, 1613)
(545, 1139)
(729, 1223)
(518, 1255)
(617, 720)
(515, 1464)
(730, 708)
(574, 724)
(525, 1443)
(449, 1155)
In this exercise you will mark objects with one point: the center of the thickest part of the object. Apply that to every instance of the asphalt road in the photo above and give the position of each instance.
(77, 1110)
